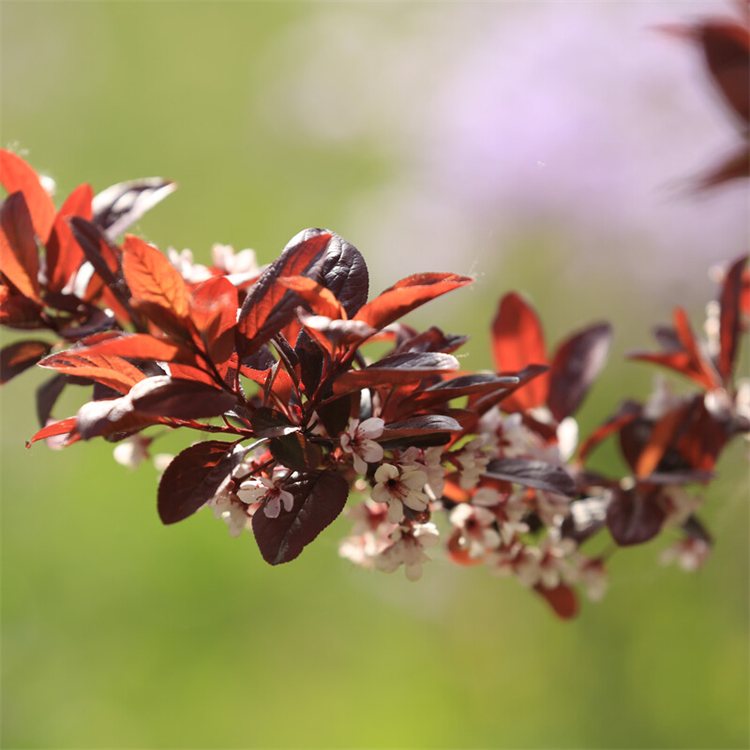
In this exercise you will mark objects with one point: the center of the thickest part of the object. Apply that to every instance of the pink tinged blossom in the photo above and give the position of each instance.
(262, 488)
(359, 440)
(472, 461)
(476, 525)
(548, 564)
(408, 550)
(430, 462)
(371, 534)
(232, 512)
(132, 451)
(192, 272)
(689, 554)
(398, 486)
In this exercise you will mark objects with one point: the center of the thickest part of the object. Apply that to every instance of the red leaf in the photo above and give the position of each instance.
(16, 175)
(138, 346)
(63, 427)
(518, 341)
(319, 498)
(152, 278)
(576, 364)
(730, 316)
(321, 300)
(19, 356)
(213, 310)
(662, 436)
(19, 255)
(406, 295)
(64, 254)
(627, 412)
(703, 370)
(270, 306)
(17, 311)
(464, 385)
(562, 599)
(109, 370)
(193, 477)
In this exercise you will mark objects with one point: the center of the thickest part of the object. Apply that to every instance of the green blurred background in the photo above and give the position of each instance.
(120, 633)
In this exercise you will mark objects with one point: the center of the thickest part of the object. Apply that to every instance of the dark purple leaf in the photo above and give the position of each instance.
(532, 473)
(483, 402)
(46, 396)
(730, 317)
(575, 366)
(420, 425)
(634, 517)
(193, 477)
(335, 415)
(667, 338)
(319, 498)
(695, 529)
(465, 385)
(184, 399)
(269, 423)
(19, 356)
(296, 453)
(432, 340)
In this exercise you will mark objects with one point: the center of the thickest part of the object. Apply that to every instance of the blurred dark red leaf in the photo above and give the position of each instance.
(16, 175)
(730, 322)
(661, 439)
(562, 599)
(532, 473)
(576, 364)
(19, 356)
(19, 254)
(193, 477)
(634, 517)
(319, 498)
(46, 397)
(518, 341)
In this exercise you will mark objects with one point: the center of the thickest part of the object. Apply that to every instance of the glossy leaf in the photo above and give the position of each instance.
(139, 346)
(213, 311)
(344, 273)
(193, 478)
(63, 427)
(110, 370)
(319, 498)
(183, 399)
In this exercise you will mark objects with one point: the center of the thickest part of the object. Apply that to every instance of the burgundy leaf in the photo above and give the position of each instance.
(213, 310)
(406, 295)
(47, 395)
(628, 411)
(397, 368)
(269, 305)
(64, 255)
(335, 415)
(532, 473)
(63, 427)
(562, 599)
(267, 422)
(193, 477)
(575, 366)
(518, 341)
(344, 271)
(730, 316)
(16, 175)
(183, 399)
(634, 517)
(483, 402)
(319, 498)
(19, 255)
(99, 253)
(295, 452)
(19, 356)
(432, 340)
(423, 424)
(464, 385)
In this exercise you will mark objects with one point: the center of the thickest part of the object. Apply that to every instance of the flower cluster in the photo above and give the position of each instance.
(272, 364)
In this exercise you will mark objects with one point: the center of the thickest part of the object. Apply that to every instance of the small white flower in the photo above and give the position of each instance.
(430, 462)
(408, 550)
(472, 460)
(232, 512)
(398, 486)
(689, 554)
(192, 272)
(162, 460)
(359, 440)
(226, 259)
(132, 451)
(476, 526)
